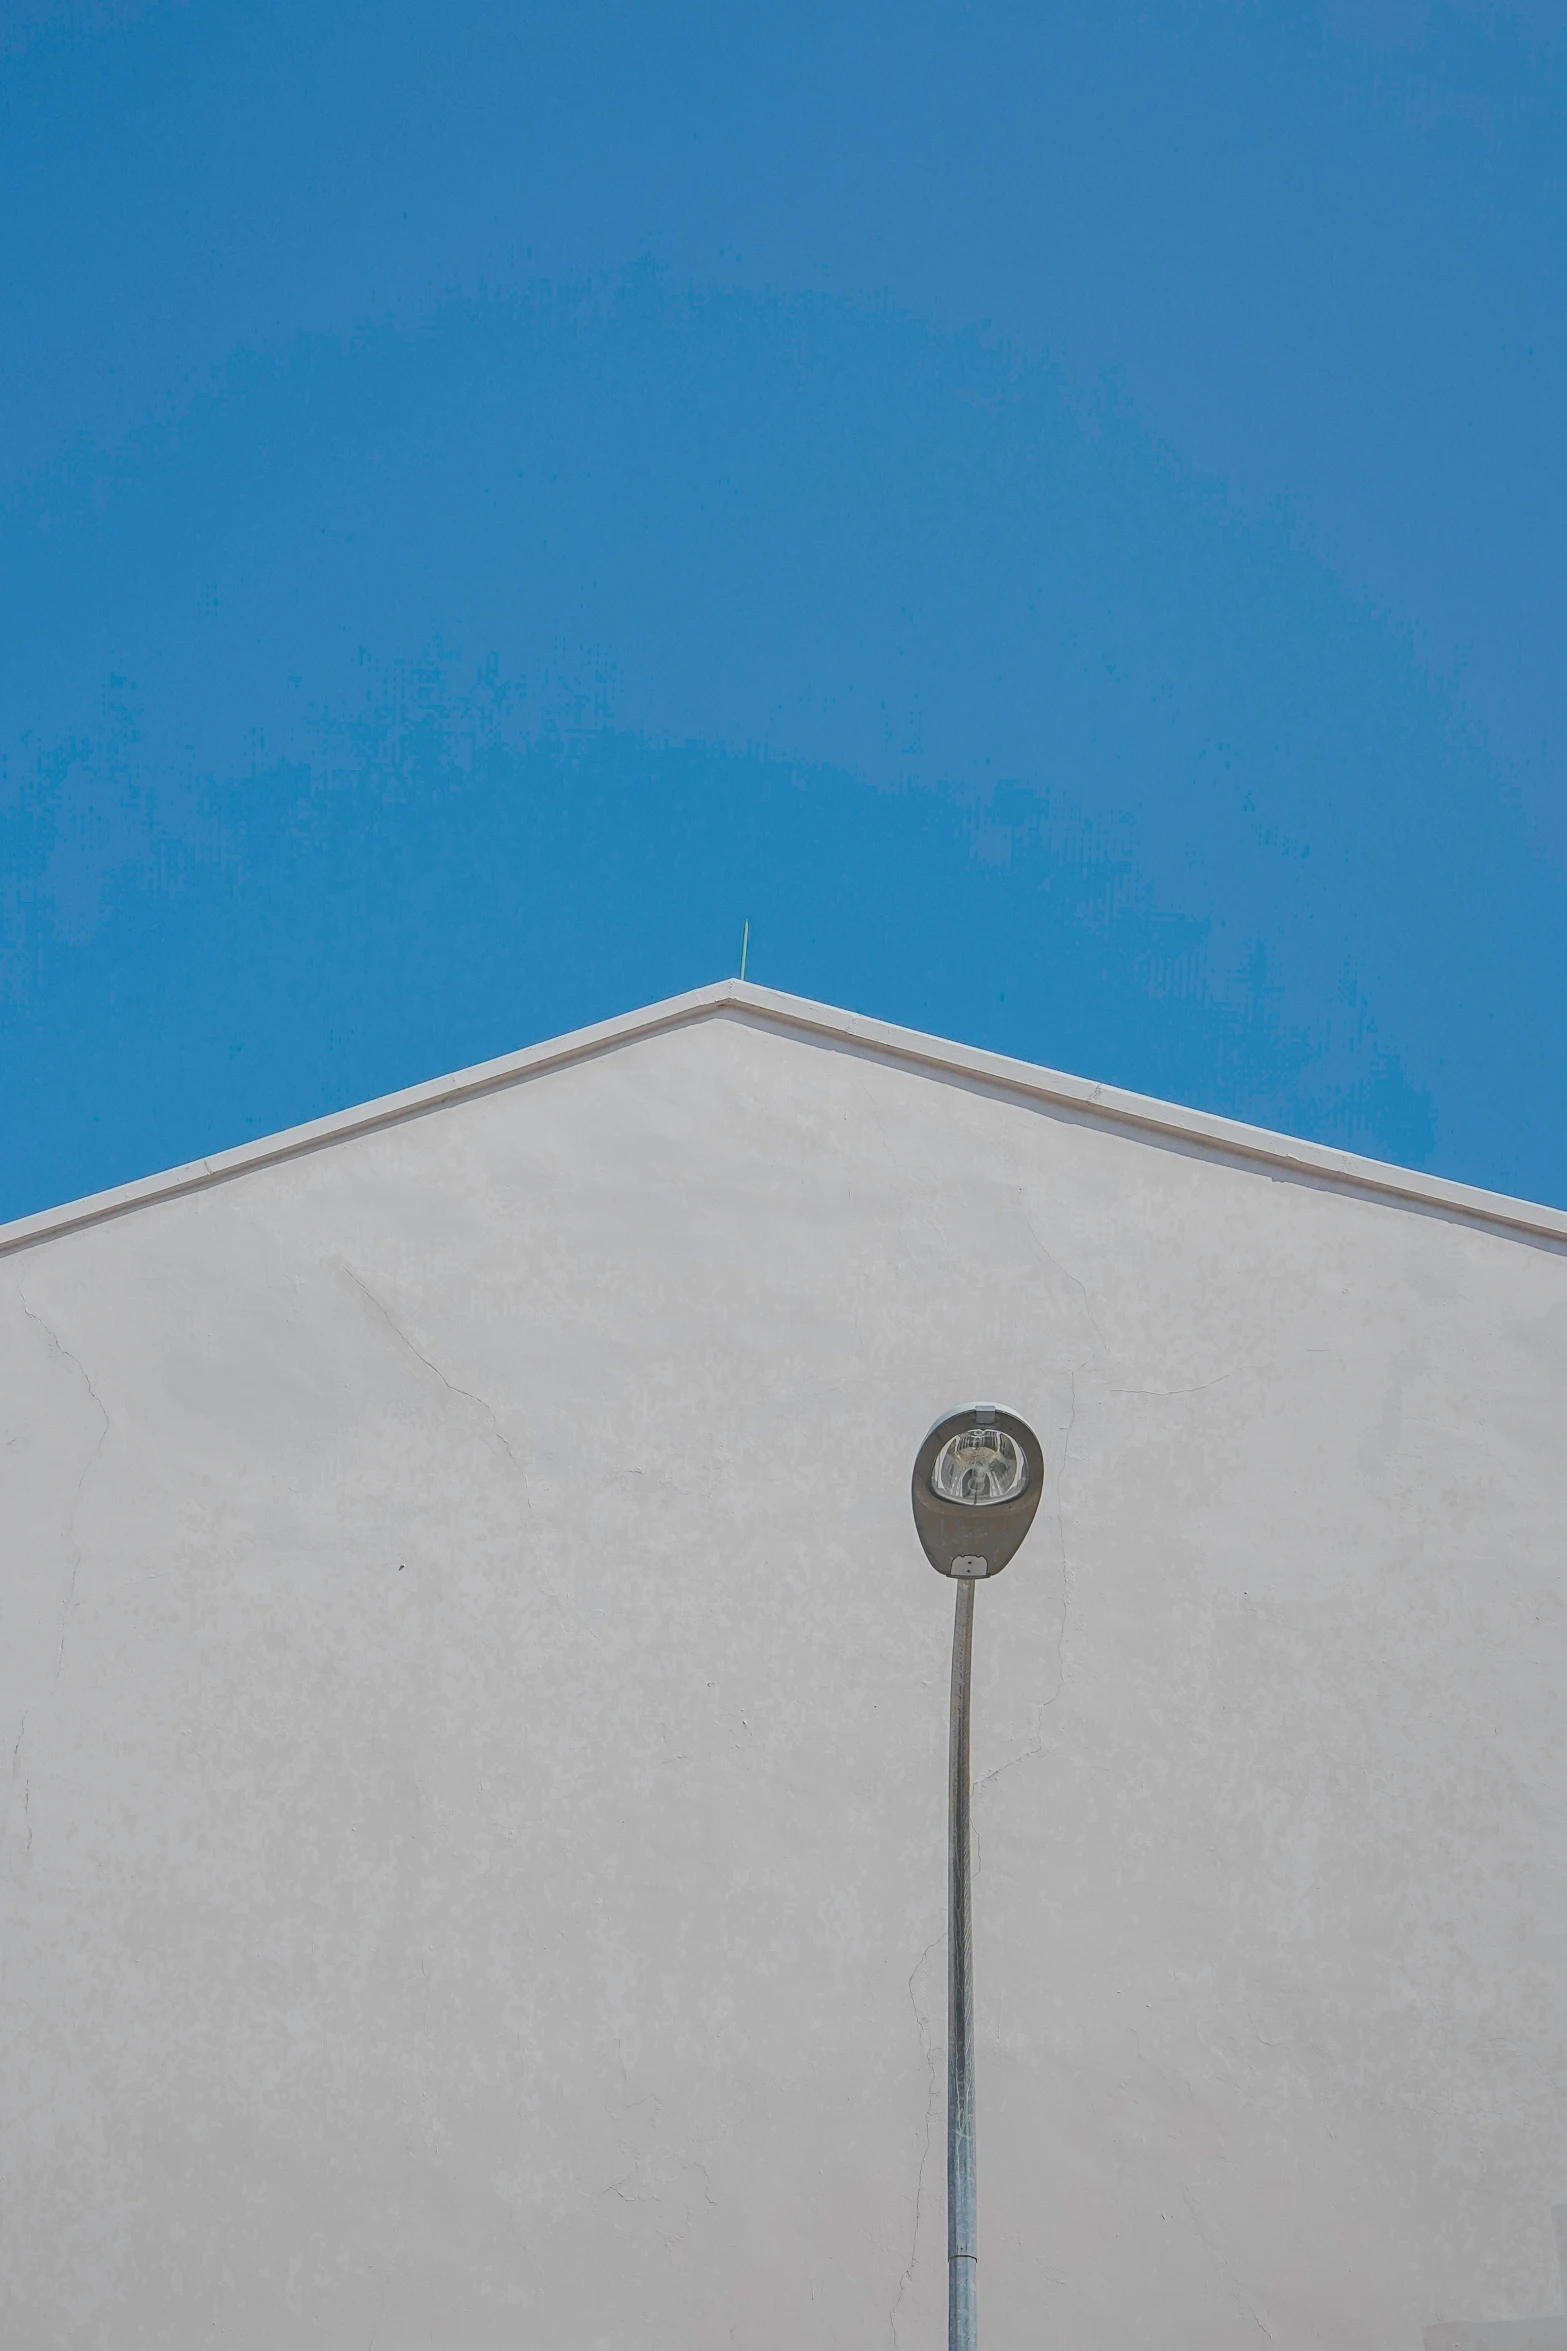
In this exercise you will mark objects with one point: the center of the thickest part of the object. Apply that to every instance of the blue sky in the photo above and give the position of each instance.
(1056, 515)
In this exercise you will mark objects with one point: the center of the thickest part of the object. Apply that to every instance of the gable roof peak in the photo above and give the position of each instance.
(1319, 1164)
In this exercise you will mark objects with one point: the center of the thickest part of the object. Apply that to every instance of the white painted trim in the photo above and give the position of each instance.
(1225, 1137)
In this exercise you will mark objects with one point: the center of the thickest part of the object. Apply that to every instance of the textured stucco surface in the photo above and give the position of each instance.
(474, 1725)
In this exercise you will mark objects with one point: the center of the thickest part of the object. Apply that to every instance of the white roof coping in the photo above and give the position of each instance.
(1227, 1138)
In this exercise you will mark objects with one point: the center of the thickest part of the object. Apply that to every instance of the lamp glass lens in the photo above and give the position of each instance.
(980, 1466)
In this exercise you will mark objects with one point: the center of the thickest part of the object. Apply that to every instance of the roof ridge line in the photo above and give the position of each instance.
(1113, 1105)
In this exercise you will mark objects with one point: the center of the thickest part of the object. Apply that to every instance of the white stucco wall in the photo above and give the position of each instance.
(475, 1712)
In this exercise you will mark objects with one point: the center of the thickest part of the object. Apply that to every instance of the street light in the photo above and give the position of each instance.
(978, 1478)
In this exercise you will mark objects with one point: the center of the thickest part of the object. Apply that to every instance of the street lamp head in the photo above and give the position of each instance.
(978, 1478)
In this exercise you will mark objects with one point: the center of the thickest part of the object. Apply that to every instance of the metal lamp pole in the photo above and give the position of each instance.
(977, 1482)
(962, 2250)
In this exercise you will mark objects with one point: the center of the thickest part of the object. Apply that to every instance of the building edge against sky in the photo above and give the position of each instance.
(855, 1031)
(471, 1861)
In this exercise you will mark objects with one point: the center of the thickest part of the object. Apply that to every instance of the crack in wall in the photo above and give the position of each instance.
(1224, 2269)
(1066, 1565)
(931, 2098)
(452, 1388)
(27, 1785)
(642, 2164)
(64, 1353)
(1204, 2237)
(1071, 1279)
(618, 2188)
(1030, 1753)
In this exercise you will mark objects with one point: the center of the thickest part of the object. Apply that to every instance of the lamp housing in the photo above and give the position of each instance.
(978, 1479)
